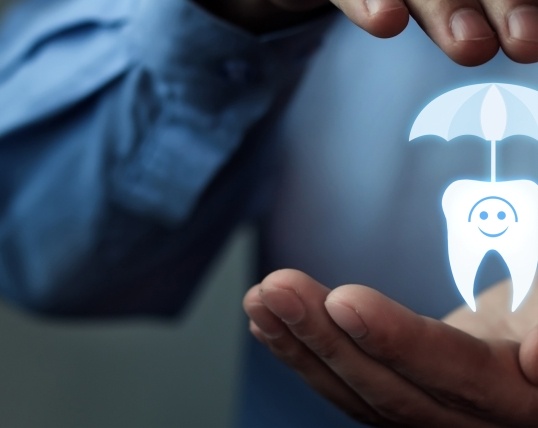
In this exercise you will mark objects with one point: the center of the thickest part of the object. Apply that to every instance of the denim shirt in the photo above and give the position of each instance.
(123, 161)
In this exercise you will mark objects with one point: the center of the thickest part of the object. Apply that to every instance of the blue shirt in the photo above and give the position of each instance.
(122, 163)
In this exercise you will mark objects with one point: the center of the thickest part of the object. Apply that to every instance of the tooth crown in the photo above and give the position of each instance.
(500, 216)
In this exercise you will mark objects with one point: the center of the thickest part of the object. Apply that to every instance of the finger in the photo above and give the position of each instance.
(299, 301)
(273, 333)
(528, 356)
(382, 18)
(459, 27)
(461, 371)
(265, 321)
(516, 23)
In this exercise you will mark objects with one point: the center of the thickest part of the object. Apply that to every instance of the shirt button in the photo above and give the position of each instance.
(240, 71)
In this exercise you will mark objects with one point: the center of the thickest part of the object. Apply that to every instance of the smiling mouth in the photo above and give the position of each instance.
(493, 235)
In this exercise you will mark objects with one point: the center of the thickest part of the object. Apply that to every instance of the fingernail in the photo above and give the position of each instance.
(469, 24)
(523, 23)
(347, 319)
(285, 304)
(376, 6)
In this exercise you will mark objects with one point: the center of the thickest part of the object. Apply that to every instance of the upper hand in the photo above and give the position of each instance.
(468, 31)
(386, 365)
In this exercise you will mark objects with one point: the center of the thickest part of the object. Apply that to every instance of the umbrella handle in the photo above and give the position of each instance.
(493, 161)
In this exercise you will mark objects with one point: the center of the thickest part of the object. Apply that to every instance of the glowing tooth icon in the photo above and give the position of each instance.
(483, 216)
(502, 217)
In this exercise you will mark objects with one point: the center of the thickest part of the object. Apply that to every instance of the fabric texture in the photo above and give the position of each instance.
(121, 138)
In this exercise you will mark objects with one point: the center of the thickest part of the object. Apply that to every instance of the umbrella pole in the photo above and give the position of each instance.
(493, 161)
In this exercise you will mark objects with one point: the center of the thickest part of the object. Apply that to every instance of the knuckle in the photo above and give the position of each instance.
(391, 350)
(394, 347)
(325, 347)
(396, 409)
(291, 352)
(391, 355)
(468, 398)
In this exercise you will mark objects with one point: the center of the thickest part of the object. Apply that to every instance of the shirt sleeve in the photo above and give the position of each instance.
(121, 143)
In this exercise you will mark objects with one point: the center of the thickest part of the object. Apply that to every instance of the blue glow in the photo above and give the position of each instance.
(493, 112)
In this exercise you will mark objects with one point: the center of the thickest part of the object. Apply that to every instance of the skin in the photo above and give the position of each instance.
(468, 31)
(387, 366)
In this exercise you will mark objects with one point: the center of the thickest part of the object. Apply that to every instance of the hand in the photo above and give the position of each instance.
(468, 31)
(385, 365)
(494, 318)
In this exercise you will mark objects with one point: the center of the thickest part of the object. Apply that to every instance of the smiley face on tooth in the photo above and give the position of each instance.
(493, 216)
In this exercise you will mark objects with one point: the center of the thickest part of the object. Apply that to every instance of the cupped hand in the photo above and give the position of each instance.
(385, 365)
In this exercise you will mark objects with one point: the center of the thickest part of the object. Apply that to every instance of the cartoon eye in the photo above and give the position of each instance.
(501, 215)
(484, 215)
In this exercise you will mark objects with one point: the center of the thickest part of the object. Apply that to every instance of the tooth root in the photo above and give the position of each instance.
(522, 272)
(464, 265)
(521, 286)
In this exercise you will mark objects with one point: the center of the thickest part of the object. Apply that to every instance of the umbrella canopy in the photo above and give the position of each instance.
(492, 111)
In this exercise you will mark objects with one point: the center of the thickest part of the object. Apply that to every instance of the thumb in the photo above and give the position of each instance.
(528, 356)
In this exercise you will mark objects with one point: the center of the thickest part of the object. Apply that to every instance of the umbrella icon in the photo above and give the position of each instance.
(492, 111)
(484, 216)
